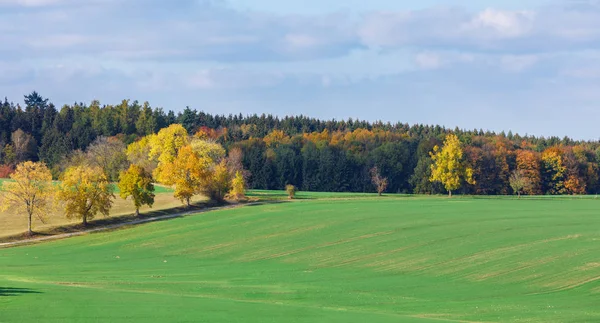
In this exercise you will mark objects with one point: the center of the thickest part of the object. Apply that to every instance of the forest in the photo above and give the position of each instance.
(311, 154)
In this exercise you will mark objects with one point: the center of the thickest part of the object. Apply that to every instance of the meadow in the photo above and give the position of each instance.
(361, 259)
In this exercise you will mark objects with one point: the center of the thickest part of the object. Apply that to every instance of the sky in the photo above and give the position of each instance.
(530, 66)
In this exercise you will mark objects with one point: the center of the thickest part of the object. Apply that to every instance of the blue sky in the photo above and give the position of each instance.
(530, 66)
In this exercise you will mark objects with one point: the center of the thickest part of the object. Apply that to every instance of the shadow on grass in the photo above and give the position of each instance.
(10, 291)
(265, 202)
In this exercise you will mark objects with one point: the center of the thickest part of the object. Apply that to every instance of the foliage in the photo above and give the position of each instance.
(30, 193)
(208, 148)
(380, 183)
(238, 186)
(553, 171)
(85, 191)
(165, 145)
(312, 154)
(519, 182)
(217, 182)
(291, 191)
(528, 163)
(138, 153)
(275, 138)
(449, 167)
(187, 172)
(6, 170)
(136, 183)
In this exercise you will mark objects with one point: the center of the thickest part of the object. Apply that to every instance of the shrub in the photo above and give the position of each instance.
(291, 191)
(6, 170)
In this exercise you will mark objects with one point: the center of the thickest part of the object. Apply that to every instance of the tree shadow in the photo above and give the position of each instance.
(265, 202)
(11, 291)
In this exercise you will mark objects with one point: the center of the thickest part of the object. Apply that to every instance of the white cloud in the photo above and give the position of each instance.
(506, 24)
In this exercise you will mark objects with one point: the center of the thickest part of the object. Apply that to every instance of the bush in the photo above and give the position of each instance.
(6, 170)
(291, 191)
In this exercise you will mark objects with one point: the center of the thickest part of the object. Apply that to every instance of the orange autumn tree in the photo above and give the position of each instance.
(575, 163)
(529, 164)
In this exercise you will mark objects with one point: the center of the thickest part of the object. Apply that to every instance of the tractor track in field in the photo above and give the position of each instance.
(120, 225)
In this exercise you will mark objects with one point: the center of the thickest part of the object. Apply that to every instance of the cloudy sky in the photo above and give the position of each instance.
(530, 66)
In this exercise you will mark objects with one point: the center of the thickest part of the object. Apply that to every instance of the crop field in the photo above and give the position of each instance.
(361, 259)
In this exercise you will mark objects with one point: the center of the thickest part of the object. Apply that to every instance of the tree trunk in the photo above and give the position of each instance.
(137, 211)
(519, 194)
(29, 230)
(450, 194)
(380, 193)
(85, 223)
(188, 202)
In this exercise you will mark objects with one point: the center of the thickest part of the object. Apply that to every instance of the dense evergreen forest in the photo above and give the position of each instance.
(313, 155)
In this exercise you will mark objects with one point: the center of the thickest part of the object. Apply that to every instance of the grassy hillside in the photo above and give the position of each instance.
(339, 260)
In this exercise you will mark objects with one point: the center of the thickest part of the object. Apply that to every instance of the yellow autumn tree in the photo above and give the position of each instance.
(217, 182)
(275, 138)
(165, 145)
(187, 173)
(449, 167)
(136, 183)
(85, 192)
(208, 148)
(30, 192)
(553, 171)
(238, 186)
(138, 153)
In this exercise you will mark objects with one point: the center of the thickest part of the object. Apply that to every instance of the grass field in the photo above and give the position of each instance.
(337, 260)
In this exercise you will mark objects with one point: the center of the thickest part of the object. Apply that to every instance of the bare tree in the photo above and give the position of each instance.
(108, 153)
(24, 145)
(380, 182)
(235, 163)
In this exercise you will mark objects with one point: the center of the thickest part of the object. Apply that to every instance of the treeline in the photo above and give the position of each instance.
(312, 154)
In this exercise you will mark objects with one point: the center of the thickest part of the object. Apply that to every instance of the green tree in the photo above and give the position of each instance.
(448, 165)
(136, 183)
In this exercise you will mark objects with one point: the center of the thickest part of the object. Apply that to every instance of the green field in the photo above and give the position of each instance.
(388, 259)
